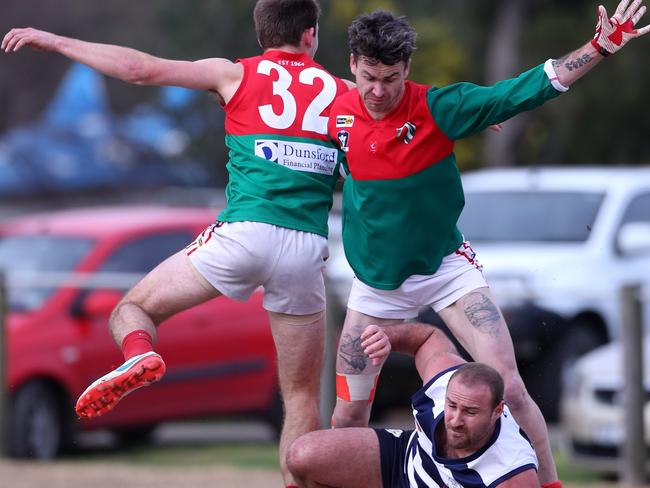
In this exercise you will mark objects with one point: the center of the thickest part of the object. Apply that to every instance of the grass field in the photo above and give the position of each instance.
(188, 465)
(196, 452)
(249, 455)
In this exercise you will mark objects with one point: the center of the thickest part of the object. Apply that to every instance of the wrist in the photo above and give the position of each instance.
(601, 50)
(59, 44)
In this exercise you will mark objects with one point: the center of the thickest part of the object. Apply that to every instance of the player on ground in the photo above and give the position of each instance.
(463, 434)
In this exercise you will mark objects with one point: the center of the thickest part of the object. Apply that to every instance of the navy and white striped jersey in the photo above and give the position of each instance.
(507, 453)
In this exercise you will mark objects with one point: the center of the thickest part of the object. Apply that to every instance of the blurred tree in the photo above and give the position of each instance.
(581, 126)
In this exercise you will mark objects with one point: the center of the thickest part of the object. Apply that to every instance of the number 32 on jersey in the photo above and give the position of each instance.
(312, 120)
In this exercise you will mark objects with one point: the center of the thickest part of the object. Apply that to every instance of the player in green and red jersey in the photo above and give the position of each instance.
(273, 231)
(403, 197)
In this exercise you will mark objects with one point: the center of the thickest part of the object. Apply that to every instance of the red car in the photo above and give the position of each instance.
(65, 271)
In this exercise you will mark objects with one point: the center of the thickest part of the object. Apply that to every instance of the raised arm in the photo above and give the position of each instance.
(218, 75)
(433, 351)
(611, 35)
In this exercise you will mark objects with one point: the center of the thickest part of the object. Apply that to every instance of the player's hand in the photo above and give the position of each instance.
(613, 33)
(34, 38)
(375, 344)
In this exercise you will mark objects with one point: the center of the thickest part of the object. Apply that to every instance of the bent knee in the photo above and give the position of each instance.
(132, 304)
(302, 454)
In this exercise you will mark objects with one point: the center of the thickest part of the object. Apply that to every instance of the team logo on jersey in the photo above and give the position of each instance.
(451, 482)
(300, 156)
(344, 121)
(344, 139)
(268, 150)
(406, 132)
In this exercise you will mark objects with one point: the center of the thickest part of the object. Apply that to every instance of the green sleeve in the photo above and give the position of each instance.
(463, 109)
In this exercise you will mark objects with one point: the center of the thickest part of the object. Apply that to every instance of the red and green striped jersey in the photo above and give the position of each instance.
(403, 195)
(282, 165)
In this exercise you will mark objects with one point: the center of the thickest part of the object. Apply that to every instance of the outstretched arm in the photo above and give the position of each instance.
(218, 75)
(611, 35)
(433, 351)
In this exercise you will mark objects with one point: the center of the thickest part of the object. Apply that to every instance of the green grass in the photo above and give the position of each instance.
(247, 455)
(239, 455)
(569, 473)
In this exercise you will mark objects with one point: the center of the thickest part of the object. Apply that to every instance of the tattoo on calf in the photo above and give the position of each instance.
(351, 354)
(482, 313)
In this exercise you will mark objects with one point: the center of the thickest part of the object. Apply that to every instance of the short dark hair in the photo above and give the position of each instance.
(281, 22)
(381, 37)
(474, 374)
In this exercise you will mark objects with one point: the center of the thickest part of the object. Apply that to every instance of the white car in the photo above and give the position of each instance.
(557, 243)
(592, 409)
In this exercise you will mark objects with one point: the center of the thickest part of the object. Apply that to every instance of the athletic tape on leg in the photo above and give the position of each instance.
(355, 387)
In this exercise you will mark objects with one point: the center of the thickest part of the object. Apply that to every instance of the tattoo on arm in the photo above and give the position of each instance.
(351, 354)
(572, 64)
(483, 314)
(558, 62)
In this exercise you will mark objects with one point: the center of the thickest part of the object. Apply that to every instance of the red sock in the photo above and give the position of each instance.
(135, 343)
(553, 484)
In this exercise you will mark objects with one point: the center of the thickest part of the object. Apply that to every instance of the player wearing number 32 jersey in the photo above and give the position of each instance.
(273, 231)
(283, 166)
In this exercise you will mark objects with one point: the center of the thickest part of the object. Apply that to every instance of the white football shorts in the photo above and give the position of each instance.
(458, 274)
(238, 257)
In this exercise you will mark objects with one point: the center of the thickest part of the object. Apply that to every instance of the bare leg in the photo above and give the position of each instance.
(478, 324)
(171, 287)
(342, 458)
(350, 359)
(300, 350)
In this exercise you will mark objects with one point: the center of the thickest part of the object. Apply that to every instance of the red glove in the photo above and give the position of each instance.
(612, 34)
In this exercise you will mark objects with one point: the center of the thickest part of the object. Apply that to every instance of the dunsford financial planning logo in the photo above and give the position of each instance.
(300, 156)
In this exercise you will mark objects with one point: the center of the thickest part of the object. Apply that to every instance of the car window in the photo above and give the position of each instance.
(638, 210)
(27, 261)
(142, 254)
(532, 216)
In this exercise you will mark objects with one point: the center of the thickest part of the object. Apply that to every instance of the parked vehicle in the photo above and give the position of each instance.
(593, 411)
(557, 243)
(65, 272)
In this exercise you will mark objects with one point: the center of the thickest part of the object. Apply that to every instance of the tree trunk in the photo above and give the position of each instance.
(502, 61)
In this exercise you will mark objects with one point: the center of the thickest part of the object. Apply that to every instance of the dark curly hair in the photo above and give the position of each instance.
(381, 37)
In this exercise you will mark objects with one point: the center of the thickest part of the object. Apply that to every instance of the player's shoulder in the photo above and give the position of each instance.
(415, 91)
(349, 99)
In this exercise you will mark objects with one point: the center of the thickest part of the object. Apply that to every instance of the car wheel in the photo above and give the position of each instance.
(546, 386)
(37, 431)
(135, 436)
